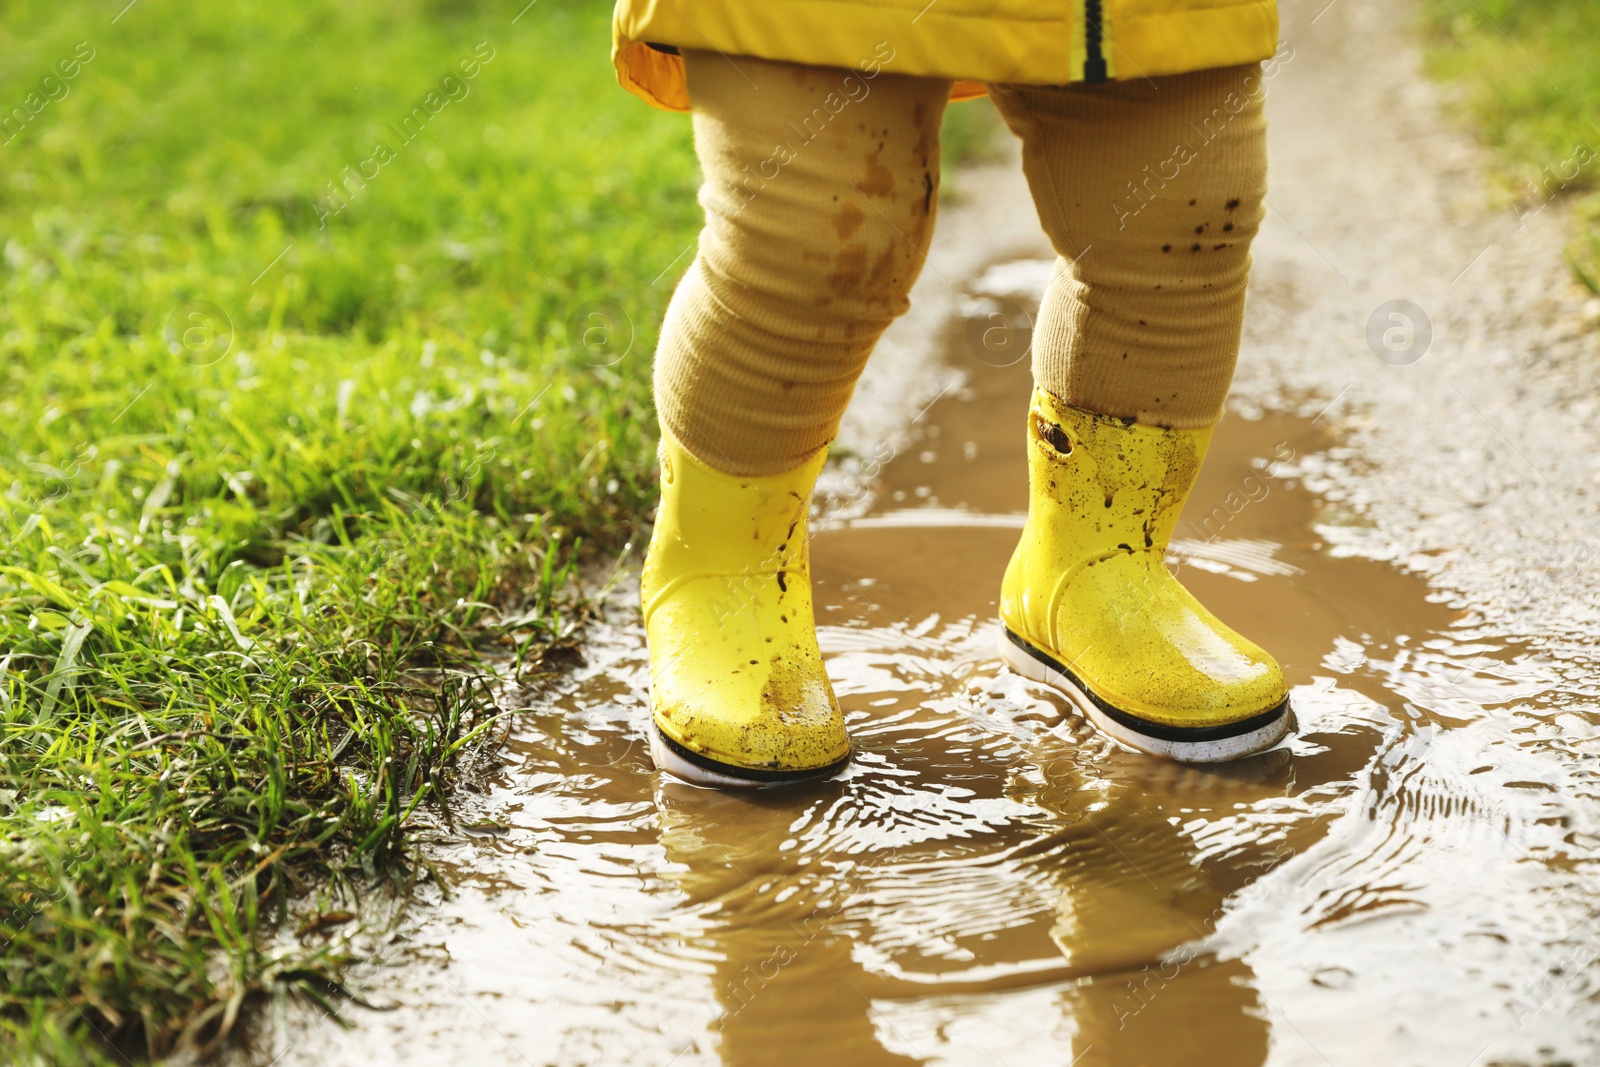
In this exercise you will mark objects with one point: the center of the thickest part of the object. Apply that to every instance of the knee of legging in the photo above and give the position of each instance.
(1189, 278)
(833, 268)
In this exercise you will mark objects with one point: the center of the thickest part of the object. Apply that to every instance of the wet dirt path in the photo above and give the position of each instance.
(990, 879)
(1409, 880)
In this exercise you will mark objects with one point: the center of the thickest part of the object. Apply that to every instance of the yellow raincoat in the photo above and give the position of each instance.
(1038, 42)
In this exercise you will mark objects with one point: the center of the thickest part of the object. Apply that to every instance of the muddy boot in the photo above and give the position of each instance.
(1090, 608)
(737, 686)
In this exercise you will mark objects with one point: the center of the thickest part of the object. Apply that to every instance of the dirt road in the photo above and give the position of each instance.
(1403, 510)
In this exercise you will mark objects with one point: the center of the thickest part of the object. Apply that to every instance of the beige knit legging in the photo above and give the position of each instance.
(820, 191)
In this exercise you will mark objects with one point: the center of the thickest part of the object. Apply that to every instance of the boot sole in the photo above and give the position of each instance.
(1186, 744)
(698, 769)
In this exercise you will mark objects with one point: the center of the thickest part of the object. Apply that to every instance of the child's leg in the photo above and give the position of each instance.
(820, 187)
(819, 195)
(1150, 192)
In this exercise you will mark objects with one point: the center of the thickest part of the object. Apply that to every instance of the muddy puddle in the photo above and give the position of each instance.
(1403, 882)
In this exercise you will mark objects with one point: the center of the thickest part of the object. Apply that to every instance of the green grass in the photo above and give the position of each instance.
(1532, 84)
(286, 449)
(250, 548)
(972, 133)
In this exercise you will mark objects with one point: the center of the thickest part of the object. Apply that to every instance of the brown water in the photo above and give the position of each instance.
(991, 882)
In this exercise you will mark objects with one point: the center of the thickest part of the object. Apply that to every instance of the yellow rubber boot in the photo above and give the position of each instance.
(737, 686)
(1090, 607)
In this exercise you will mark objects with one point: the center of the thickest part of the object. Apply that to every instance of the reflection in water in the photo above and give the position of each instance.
(991, 882)
(787, 987)
(842, 923)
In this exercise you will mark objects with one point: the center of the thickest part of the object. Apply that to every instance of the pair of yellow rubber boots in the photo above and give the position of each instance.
(738, 689)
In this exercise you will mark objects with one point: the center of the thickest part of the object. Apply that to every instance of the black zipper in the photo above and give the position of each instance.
(1094, 60)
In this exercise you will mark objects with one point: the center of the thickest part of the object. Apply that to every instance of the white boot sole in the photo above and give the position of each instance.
(671, 762)
(1219, 750)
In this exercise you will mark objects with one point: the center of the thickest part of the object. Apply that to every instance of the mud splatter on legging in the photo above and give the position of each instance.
(820, 193)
